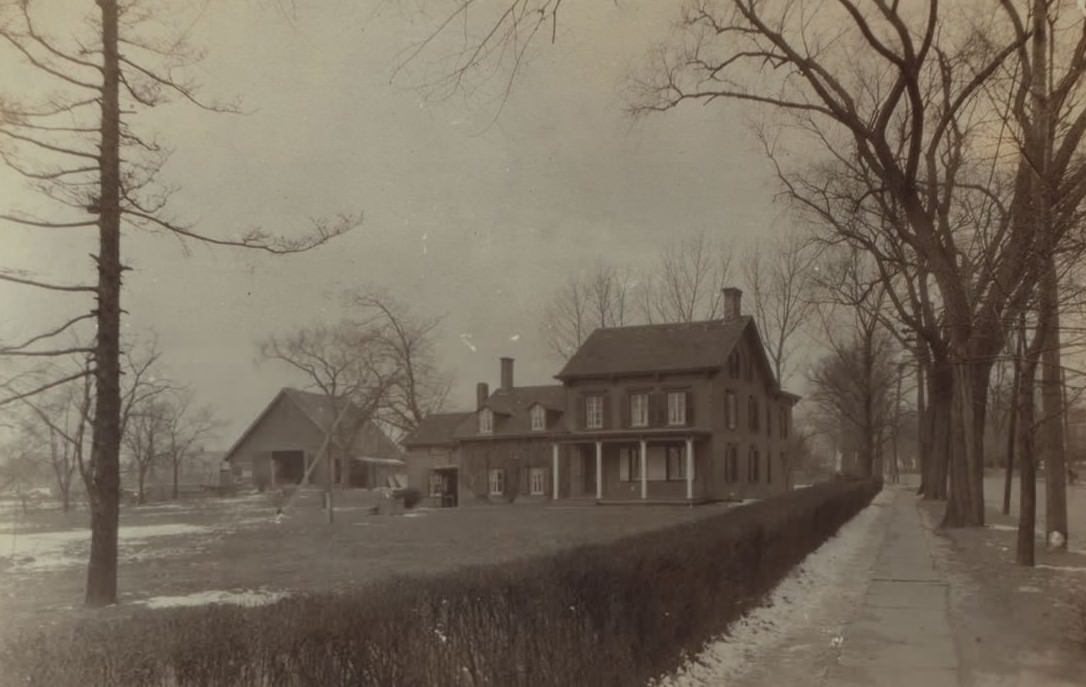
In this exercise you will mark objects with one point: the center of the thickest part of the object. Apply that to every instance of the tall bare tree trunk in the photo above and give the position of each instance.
(1027, 478)
(104, 482)
(1052, 423)
(940, 405)
(1012, 421)
(965, 502)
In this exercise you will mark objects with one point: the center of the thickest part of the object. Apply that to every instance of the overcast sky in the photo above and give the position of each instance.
(468, 216)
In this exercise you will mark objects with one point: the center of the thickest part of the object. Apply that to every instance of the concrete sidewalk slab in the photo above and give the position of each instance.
(902, 633)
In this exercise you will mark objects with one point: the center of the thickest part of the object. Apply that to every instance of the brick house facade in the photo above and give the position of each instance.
(676, 413)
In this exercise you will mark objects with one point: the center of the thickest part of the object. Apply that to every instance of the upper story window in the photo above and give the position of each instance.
(593, 412)
(486, 421)
(639, 410)
(734, 364)
(752, 412)
(676, 407)
(731, 410)
(768, 419)
(539, 418)
(784, 422)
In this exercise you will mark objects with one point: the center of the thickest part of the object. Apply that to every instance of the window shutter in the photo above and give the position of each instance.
(582, 413)
(689, 408)
(627, 411)
(607, 411)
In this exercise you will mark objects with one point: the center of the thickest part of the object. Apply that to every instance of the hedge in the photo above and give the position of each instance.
(620, 613)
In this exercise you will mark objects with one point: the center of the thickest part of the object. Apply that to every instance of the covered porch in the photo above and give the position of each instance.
(659, 467)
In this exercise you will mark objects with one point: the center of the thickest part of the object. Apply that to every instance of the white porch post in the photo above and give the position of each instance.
(644, 470)
(689, 469)
(599, 470)
(554, 472)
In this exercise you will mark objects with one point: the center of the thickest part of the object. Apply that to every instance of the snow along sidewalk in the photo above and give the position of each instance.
(794, 637)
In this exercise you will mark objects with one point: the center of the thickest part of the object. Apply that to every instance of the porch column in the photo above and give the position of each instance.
(644, 470)
(599, 470)
(689, 469)
(554, 472)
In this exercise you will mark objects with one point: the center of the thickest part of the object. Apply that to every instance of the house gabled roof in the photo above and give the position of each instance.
(651, 348)
(436, 430)
(320, 410)
(511, 408)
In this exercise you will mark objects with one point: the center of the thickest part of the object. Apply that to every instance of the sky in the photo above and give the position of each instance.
(473, 212)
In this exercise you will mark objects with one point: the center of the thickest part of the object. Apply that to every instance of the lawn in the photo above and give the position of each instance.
(210, 549)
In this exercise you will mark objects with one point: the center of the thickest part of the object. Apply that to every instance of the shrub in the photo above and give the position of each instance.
(613, 614)
(410, 495)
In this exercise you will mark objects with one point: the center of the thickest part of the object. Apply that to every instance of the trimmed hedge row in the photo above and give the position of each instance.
(614, 614)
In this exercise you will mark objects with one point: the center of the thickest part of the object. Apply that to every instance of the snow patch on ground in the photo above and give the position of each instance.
(790, 603)
(1002, 528)
(1071, 568)
(44, 551)
(247, 597)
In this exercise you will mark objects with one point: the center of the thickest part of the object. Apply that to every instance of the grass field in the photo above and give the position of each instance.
(185, 552)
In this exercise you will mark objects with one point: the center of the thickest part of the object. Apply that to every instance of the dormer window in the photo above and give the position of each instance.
(486, 421)
(539, 418)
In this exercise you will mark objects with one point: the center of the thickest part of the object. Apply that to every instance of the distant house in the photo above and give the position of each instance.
(282, 443)
(676, 413)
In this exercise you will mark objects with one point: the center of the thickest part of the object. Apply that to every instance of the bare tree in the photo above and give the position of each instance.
(778, 275)
(419, 388)
(186, 427)
(75, 141)
(352, 367)
(60, 418)
(597, 298)
(686, 287)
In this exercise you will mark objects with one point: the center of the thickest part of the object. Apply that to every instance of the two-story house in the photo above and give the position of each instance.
(682, 412)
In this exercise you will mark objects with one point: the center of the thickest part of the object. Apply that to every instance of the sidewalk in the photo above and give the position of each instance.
(902, 634)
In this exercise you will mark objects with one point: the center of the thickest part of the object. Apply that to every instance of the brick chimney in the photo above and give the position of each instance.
(482, 392)
(733, 303)
(507, 374)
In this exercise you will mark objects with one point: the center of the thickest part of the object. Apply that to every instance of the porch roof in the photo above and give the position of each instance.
(648, 433)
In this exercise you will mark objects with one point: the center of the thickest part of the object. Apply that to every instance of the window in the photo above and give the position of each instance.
(768, 467)
(629, 468)
(731, 463)
(676, 408)
(731, 410)
(734, 365)
(436, 486)
(593, 412)
(486, 421)
(537, 480)
(676, 463)
(497, 482)
(784, 422)
(769, 419)
(539, 418)
(639, 410)
(752, 413)
(752, 465)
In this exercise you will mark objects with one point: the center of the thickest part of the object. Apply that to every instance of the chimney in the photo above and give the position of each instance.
(733, 308)
(507, 374)
(482, 392)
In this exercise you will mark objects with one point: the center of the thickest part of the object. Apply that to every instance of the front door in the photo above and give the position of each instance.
(588, 470)
(449, 488)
